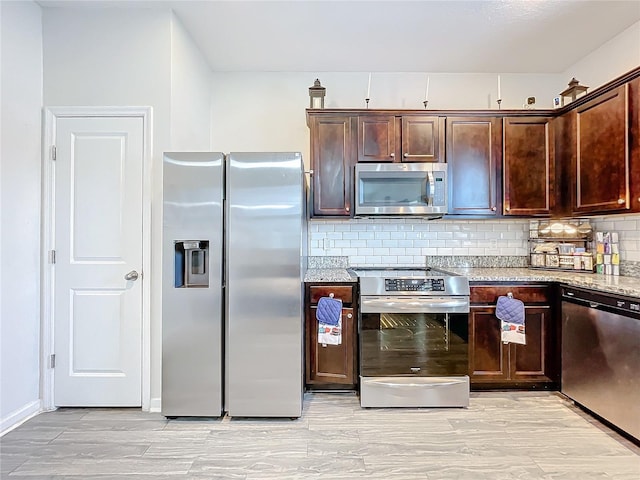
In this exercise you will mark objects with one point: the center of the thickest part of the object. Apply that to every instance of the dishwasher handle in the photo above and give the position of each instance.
(602, 301)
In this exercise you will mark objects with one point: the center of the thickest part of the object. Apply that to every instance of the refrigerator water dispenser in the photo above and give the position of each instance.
(191, 258)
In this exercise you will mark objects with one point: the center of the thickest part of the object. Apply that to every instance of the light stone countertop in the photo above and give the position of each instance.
(329, 275)
(604, 283)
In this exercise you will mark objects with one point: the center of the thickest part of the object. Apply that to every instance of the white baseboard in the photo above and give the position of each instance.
(155, 405)
(19, 416)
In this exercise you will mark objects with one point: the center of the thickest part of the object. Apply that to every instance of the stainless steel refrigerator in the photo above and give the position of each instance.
(234, 251)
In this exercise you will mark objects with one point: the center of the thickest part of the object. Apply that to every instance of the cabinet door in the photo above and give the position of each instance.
(528, 166)
(377, 138)
(421, 138)
(473, 155)
(634, 142)
(331, 364)
(488, 357)
(333, 153)
(602, 154)
(536, 360)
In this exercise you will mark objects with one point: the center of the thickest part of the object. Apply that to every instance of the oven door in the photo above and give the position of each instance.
(414, 344)
(414, 351)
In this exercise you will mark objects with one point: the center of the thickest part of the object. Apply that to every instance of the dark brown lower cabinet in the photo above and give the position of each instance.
(331, 366)
(494, 364)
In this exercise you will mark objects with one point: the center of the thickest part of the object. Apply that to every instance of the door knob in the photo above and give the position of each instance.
(132, 275)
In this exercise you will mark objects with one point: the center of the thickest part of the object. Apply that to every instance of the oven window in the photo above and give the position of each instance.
(423, 344)
(393, 191)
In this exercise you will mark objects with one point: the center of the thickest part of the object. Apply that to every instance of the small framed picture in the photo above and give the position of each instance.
(557, 102)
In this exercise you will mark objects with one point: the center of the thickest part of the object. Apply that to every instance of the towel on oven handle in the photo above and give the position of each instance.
(511, 314)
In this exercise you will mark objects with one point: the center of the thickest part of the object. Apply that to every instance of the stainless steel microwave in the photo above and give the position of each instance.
(401, 189)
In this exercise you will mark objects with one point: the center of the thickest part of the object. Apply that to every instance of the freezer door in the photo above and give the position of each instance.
(265, 223)
(192, 284)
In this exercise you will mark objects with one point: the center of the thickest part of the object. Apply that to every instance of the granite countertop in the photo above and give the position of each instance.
(330, 275)
(604, 283)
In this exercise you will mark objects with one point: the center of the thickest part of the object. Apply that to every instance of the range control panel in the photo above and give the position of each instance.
(414, 284)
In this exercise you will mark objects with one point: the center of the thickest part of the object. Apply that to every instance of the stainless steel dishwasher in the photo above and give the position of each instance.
(601, 355)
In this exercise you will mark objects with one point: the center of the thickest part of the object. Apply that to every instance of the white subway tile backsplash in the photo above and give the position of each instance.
(445, 235)
(407, 241)
(382, 235)
(342, 227)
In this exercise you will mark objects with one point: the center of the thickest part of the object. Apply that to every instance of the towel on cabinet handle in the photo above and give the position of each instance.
(329, 316)
(511, 313)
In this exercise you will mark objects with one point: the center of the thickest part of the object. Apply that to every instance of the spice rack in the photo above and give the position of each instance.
(561, 245)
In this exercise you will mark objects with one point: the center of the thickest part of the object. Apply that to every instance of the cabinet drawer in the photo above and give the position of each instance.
(341, 292)
(488, 294)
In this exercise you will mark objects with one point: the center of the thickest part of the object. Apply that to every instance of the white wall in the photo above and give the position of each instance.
(21, 93)
(190, 93)
(260, 111)
(109, 57)
(614, 58)
(141, 57)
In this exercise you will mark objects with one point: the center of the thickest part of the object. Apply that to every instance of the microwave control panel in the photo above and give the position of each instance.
(414, 285)
(439, 188)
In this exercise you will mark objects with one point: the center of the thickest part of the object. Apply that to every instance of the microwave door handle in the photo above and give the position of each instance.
(431, 189)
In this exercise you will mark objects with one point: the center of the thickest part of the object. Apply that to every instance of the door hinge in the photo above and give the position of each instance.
(52, 256)
(53, 153)
(52, 360)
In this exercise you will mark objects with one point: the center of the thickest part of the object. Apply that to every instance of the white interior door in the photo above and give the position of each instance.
(98, 244)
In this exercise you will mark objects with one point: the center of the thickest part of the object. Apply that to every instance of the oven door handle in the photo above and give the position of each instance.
(380, 304)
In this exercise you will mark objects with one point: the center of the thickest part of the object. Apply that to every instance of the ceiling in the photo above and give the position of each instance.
(454, 36)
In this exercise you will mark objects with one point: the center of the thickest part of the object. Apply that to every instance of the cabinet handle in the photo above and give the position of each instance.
(331, 295)
(493, 209)
(620, 201)
(393, 155)
(349, 315)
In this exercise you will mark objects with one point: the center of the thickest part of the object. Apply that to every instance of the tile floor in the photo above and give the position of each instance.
(502, 435)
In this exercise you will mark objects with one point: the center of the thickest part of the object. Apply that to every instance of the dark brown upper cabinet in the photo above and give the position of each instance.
(528, 166)
(634, 142)
(377, 138)
(332, 160)
(407, 138)
(473, 152)
(600, 167)
(421, 138)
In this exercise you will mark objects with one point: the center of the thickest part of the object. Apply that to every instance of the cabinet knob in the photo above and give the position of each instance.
(347, 209)
(349, 315)
(620, 201)
(406, 155)
(493, 209)
(393, 155)
(331, 295)
(507, 209)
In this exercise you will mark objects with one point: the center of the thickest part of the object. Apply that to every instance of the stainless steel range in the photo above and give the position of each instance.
(414, 343)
